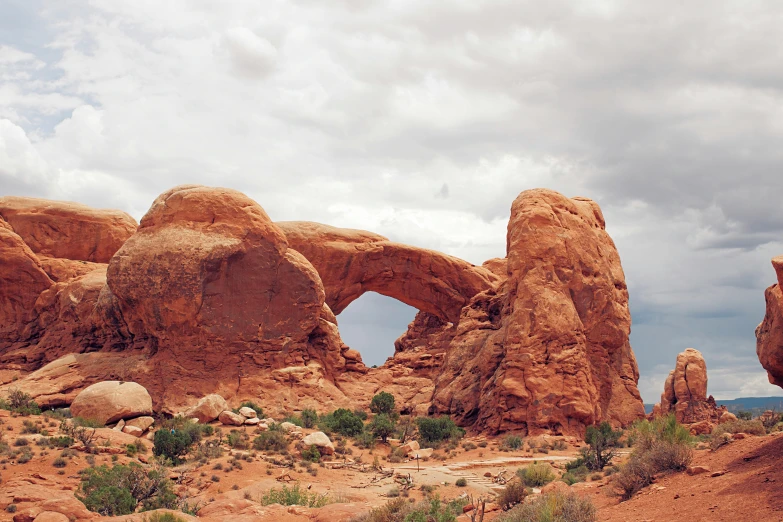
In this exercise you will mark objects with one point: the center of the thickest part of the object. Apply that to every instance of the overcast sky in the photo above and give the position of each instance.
(422, 120)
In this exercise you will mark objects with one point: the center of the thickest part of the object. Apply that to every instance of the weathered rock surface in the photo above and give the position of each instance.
(110, 401)
(685, 391)
(769, 334)
(229, 418)
(352, 262)
(67, 230)
(143, 423)
(548, 350)
(248, 413)
(320, 441)
(210, 296)
(207, 408)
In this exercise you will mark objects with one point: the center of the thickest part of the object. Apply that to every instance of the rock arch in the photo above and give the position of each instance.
(352, 262)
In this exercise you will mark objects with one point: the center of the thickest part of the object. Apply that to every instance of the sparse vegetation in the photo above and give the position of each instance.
(601, 442)
(294, 496)
(511, 495)
(253, 406)
(461, 482)
(271, 441)
(309, 418)
(752, 427)
(433, 430)
(511, 443)
(400, 510)
(536, 475)
(311, 454)
(553, 507)
(120, 489)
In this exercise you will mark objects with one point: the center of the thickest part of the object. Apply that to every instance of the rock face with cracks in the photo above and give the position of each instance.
(210, 296)
(769, 334)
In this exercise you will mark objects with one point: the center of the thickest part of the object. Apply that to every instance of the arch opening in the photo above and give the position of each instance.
(371, 324)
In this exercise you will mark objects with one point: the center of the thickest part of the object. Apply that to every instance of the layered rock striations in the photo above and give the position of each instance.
(769, 334)
(208, 295)
(685, 391)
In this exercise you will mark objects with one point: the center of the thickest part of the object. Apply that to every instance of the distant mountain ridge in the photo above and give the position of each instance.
(743, 404)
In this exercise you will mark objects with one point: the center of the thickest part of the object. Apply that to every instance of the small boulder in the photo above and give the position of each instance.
(133, 430)
(229, 418)
(556, 486)
(289, 427)
(739, 436)
(119, 425)
(701, 428)
(422, 453)
(410, 446)
(697, 470)
(320, 441)
(248, 413)
(727, 416)
(110, 401)
(207, 409)
(51, 516)
(253, 421)
(143, 423)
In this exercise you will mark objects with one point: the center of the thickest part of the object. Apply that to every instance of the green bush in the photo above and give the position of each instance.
(365, 440)
(511, 495)
(311, 454)
(237, 439)
(309, 418)
(59, 462)
(294, 496)
(744, 415)
(433, 430)
(553, 507)
(461, 483)
(382, 403)
(120, 489)
(512, 442)
(20, 402)
(601, 443)
(172, 444)
(61, 442)
(271, 441)
(752, 427)
(382, 426)
(342, 421)
(575, 474)
(293, 419)
(536, 475)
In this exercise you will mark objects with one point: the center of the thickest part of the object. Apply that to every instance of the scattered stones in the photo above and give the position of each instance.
(110, 401)
(229, 418)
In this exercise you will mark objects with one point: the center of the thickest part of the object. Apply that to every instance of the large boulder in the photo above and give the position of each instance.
(320, 441)
(67, 230)
(229, 418)
(207, 408)
(769, 334)
(110, 401)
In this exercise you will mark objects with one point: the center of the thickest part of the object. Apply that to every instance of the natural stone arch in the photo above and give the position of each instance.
(352, 262)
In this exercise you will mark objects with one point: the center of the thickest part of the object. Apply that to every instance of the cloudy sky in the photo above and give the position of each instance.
(422, 120)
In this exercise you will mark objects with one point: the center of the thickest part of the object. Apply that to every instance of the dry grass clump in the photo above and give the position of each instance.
(553, 507)
(536, 475)
(513, 494)
(753, 427)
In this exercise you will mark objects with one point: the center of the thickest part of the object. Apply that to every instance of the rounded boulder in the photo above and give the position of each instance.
(110, 401)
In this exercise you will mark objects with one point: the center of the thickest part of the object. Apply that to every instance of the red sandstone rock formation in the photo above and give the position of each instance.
(210, 296)
(769, 334)
(351, 262)
(67, 230)
(685, 391)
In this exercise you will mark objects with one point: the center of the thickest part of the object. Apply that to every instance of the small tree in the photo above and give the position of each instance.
(382, 403)
(172, 444)
(602, 443)
(382, 426)
(309, 418)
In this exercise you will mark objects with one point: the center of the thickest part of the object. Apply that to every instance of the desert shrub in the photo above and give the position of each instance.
(393, 511)
(361, 414)
(162, 517)
(433, 430)
(382, 426)
(406, 428)
(172, 444)
(293, 496)
(382, 403)
(21, 442)
(61, 442)
(311, 454)
(120, 489)
(511, 442)
(393, 492)
(309, 418)
(237, 439)
(271, 441)
(467, 446)
(601, 443)
(461, 483)
(553, 507)
(253, 406)
(536, 475)
(744, 415)
(11, 508)
(20, 402)
(59, 462)
(342, 421)
(660, 445)
(511, 495)
(576, 475)
(86, 423)
(30, 427)
(559, 445)
(208, 449)
(753, 427)
(293, 419)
